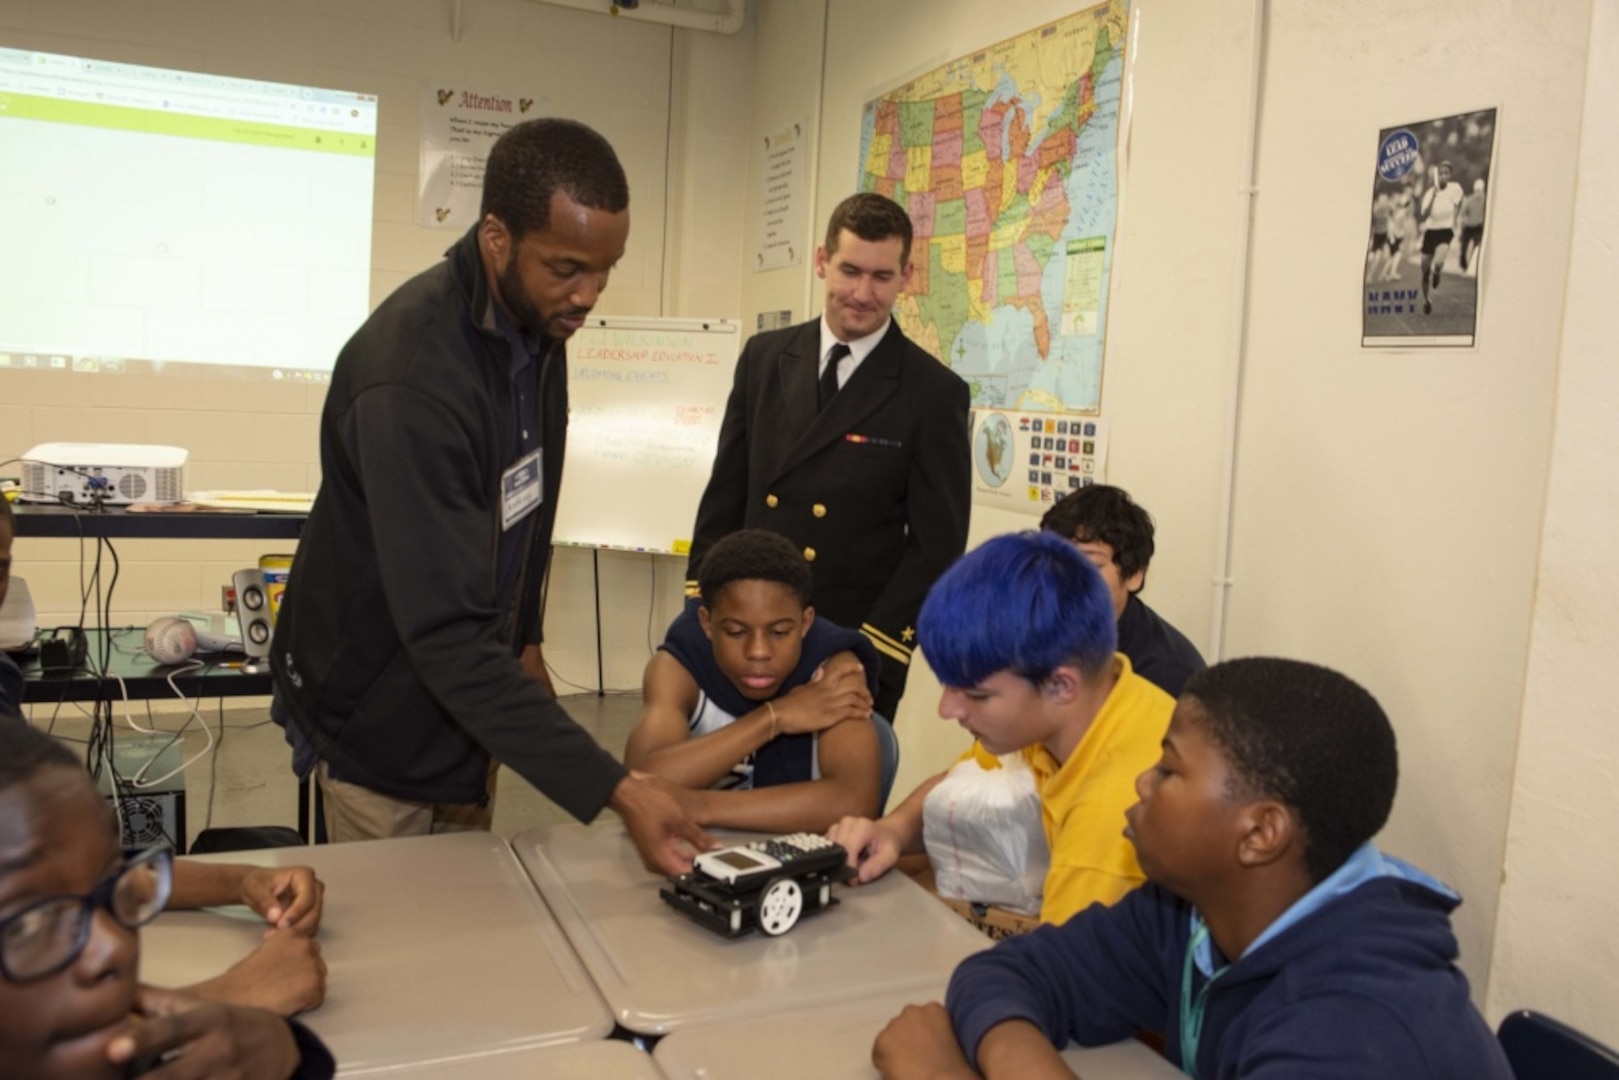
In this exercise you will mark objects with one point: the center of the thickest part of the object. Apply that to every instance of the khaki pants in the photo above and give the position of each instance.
(357, 813)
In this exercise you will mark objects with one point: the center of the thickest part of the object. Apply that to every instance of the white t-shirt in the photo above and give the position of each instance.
(1441, 205)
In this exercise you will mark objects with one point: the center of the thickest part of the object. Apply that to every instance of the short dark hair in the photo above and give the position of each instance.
(754, 555)
(538, 158)
(1309, 737)
(25, 750)
(1101, 513)
(871, 217)
(7, 518)
(1025, 602)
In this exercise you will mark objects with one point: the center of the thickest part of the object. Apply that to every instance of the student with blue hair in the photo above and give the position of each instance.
(1021, 633)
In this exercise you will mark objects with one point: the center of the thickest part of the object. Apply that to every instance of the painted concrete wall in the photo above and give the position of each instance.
(1552, 951)
(710, 108)
(1388, 504)
(789, 41)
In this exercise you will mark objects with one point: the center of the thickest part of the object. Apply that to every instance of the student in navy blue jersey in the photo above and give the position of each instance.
(757, 705)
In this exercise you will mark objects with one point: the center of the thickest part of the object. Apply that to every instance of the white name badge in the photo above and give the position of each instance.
(520, 490)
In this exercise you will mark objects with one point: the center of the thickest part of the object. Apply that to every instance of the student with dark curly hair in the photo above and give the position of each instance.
(1273, 938)
(1116, 534)
(755, 703)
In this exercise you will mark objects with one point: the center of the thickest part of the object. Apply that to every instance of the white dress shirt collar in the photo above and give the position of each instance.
(859, 348)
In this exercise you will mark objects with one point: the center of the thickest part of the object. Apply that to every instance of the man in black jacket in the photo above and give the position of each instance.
(407, 649)
(851, 441)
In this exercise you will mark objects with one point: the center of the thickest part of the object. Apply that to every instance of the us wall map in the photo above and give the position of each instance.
(1006, 160)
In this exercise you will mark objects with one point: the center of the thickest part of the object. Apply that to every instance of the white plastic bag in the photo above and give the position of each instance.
(984, 835)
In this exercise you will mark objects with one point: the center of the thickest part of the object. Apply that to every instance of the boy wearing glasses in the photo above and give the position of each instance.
(70, 904)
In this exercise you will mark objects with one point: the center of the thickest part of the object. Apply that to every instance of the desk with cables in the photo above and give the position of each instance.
(134, 675)
(154, 811)
(151, 812)
(142, 678)
(115, 666)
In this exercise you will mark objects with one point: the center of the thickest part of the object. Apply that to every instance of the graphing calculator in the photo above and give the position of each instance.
(765, 884)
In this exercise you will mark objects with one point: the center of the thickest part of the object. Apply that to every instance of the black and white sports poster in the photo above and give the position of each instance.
(1424, 269)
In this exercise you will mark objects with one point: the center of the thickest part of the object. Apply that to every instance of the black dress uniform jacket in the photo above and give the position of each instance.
(876, 489)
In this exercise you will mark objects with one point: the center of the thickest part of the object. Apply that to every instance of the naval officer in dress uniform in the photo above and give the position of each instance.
(851, 441)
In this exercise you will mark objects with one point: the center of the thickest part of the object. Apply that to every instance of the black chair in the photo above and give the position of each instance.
(1540, 1048)
(245, 838)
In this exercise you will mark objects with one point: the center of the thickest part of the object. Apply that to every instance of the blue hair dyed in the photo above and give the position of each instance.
(1027, 603)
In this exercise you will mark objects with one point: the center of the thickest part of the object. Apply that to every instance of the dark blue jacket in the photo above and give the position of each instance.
(315, 1061)
(1158, 652)
(1366, 986)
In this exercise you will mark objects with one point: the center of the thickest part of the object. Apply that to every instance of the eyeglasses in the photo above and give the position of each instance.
(48, 935)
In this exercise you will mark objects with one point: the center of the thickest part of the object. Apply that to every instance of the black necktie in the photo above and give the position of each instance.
(829, 378)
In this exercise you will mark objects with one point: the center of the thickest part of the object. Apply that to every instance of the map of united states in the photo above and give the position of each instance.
(1006, 161)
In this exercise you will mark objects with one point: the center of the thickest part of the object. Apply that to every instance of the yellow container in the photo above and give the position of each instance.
(275, 569)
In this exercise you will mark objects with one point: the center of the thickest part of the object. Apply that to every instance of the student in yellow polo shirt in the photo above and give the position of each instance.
(1021, 633)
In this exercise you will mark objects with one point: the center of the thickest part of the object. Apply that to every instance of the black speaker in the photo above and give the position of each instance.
(253, 612)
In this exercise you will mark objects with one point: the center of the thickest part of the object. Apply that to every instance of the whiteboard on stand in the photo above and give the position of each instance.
(645, 401)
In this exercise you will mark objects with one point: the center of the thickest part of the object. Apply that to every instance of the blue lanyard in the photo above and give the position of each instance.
(1192, 1009)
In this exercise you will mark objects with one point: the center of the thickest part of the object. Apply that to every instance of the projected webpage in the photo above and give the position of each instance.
(172, 220)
